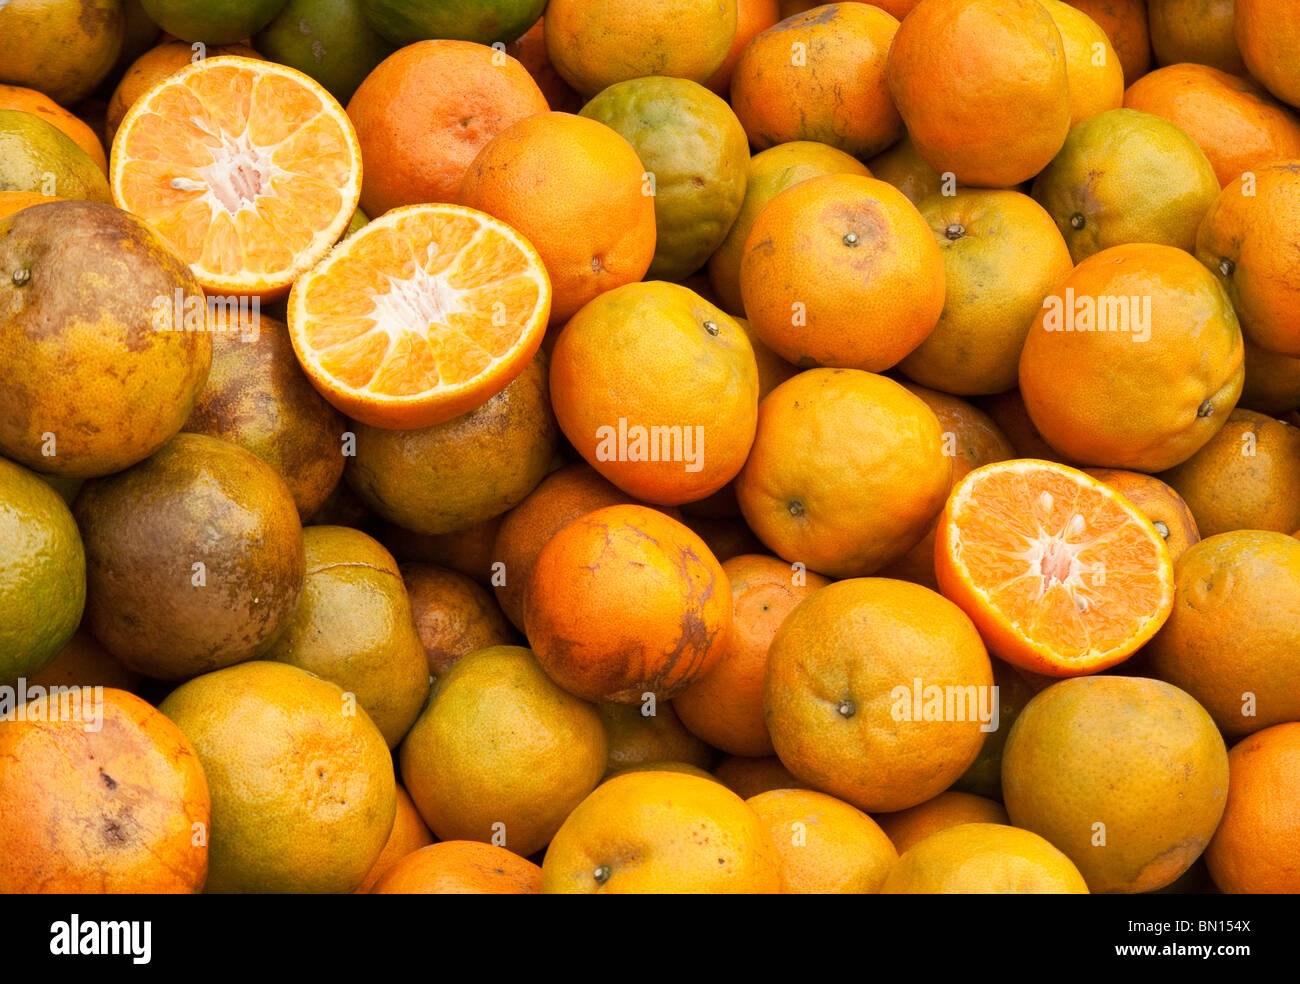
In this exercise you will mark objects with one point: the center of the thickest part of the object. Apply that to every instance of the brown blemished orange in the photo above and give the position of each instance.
(151, 68)
(658, 390)
(1093, 69)
(841, 271)
(560, 498)
(971, 439)
(454, 616)
(748, 777)
(661, 832)
(1195, 31)
(1246, 478)
(426, 111)
(467, 551)
(409, 834)
(984, 858)
(823, 845)
(638, 735)
(1272, 384)
(530, 50)
(1145, 398)
(725, 706)
(1246, 239)
(850, 512)
(1125, 23)
(626, 601)
(1233, 639)
(111, 809)
(594, 44)
(1061, 573)
(820, 76)
(752, 17)
(461, 867)
(843, 699)
(1256, 849)
(909, 827)
(573, 188)
(1002, 254)
(42, 106)
(995, 115)
(1233, 119)
(1158, 502)
(1268, 37)
(903, 167)
(1130, 758)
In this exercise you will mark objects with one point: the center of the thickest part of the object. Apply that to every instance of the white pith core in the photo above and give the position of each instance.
(240, 171)
(1054, 557)
(412, 304)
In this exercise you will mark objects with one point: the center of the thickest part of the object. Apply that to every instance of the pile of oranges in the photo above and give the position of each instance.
(500, 446)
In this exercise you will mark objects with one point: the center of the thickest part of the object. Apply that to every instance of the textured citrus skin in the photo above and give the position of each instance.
(1125, 24)
(1268, 37)
(1200, 32)
(1093, 69)
(909, 827)
(481, 21)
(63, 48)
(1159, 502)
(409, 834)
(461, 868)
(42, 106)
(454, 616)
(984, 859)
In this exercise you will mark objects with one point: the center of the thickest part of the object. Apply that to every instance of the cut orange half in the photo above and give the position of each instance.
(421, 315)
(1060, 573)
(250, 170)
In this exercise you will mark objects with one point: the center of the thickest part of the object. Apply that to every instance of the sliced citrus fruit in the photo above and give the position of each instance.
(1060, 573)
(250, 170)
(421, 315)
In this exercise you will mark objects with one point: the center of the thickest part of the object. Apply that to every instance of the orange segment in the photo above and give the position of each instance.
(1061, 574)
(420, 316)
(250, 170)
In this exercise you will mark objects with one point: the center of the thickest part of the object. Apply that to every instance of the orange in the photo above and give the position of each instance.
(574, 188)
(1272, 383)
(595, 43)
(909, 827)
(624, 602)
(725, 706)
(420, 316)
(1007, 410)
(878, 692)
(151, 68)
(426, 111)
(530, 50)
(1127, 776)
(841, 270)
(1268, 36)
(823, 845)
(984, 859)
(461, 868)
(560, 498)
(64, 48)
(83, 662)
(99, 794)
(903, 167)
(1199, 31)
(467, 551)
(748, 777)
(409, 834)
(500, 753)
(771, 172)
(984, 777)
(1257, 846)
(1246, 478)
(1093, 69)
(1002, 254)
(846, 474)
(1158, 502)
(1125, 24)
(982, 86)
(1062, 574)
(1134, 360)
(725, 536)
(41, 105)
(16, 201)
(970, 439)
(820, 76)
(639, 735)
(303, 794)
(658, 390)
(453, 616)
(1238, 125)
(752, 18)
(1233, 638)
(1245, 239)
(661, 832)
(256, 188)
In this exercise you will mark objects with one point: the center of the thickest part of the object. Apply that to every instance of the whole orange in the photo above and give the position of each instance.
(459, 867)
(909, 827)
(638, 735)
(1268, 36)
(1125, 23)
(984, 858)
(1093, 69)
(752, 18)
(1195, 31)
(454, 616)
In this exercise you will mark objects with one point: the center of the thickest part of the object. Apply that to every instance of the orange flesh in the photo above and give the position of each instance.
(1069, 565)
(244, 171)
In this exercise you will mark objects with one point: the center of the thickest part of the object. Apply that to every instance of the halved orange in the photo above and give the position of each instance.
(250, 170)
(1060, 573)
(421, 315)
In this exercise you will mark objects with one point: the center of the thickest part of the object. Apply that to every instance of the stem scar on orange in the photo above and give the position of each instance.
(1060, 573)
(420, 316)
(251, 170)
